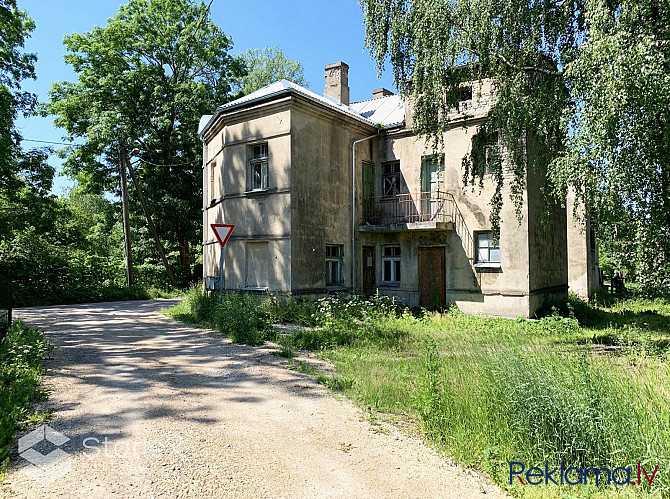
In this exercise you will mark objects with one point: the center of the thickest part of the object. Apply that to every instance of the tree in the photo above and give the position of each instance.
(15, 66)
(585, 80)
(265, 66)
(58, 250)
(144, 81)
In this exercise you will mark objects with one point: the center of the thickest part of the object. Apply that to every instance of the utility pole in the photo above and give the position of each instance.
(150, 222)
(126, 219)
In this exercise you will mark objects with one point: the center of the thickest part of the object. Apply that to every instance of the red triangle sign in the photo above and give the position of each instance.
(222, 232)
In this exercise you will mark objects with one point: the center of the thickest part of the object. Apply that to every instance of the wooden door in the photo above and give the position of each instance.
(431, 277)
(368, 270)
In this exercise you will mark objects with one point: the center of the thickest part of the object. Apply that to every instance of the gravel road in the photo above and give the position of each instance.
(155, 408)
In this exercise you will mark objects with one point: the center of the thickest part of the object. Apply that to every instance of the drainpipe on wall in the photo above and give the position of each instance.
(204, 208)
(353, 207)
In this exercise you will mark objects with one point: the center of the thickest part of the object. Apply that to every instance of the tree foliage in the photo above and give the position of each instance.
(144, 80)
(585, 80)
(15, 66)
(265, 66)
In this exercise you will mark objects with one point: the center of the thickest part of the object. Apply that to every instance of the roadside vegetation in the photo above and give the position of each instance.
(22, 352)
(587, 385)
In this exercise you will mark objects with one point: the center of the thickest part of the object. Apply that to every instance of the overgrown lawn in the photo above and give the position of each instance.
(587, 386)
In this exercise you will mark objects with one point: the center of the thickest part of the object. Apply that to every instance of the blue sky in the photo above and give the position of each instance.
(314, 32)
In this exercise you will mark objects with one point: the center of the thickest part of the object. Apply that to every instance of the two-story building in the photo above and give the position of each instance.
(329, 195)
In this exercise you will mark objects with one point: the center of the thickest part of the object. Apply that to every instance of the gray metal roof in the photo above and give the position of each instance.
(385, 110)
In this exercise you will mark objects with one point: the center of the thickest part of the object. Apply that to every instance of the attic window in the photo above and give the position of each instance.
(460, 95)
(464, 93)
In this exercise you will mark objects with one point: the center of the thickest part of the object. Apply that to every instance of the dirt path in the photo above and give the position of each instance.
(156, 408)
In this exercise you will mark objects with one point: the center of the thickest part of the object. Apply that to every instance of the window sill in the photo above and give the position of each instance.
(336, 288)
(488, 266)
(390, 285)
(255, 288)
(255, 192)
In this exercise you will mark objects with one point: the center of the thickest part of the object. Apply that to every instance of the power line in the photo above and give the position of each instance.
(49, 142)
(140, 160)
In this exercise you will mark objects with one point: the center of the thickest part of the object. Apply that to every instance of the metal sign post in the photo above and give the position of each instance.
(222, 233)
(222, 261)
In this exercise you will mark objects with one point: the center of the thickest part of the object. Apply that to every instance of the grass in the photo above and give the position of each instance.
(587, 385)
(22, 352)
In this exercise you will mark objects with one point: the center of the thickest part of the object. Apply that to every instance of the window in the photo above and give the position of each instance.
(258, 167)
(334, 258)
(464, 93)
(368, 179)
(391, 179)
(485, 153)
(391, 264)
(458, 97)
(212, 168)
(488, 250)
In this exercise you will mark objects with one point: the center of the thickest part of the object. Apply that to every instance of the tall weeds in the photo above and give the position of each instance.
(540, 404)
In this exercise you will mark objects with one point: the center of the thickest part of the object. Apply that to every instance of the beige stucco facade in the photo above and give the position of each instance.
(294, 230)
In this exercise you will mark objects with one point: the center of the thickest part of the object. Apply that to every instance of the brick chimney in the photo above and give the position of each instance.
(337, 82)
(381, 92)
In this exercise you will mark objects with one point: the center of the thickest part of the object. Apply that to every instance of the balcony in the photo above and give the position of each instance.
(431, 210)
(419, 211)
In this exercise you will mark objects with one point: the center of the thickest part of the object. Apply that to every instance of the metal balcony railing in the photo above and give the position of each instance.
(429, 206)
(413, 207)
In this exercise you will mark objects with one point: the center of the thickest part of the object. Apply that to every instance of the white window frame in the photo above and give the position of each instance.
(334, 259)
(258, 163)
(486, 237)
(391, 254)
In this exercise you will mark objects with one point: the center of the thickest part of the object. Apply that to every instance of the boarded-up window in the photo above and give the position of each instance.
(212, 169)
(391, 179)
(257, 265)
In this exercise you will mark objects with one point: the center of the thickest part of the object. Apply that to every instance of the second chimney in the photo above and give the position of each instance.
(337, 82)
(381, 92)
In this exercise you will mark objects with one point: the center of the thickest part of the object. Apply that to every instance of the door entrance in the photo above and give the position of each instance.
(431, 277)
(368, 270)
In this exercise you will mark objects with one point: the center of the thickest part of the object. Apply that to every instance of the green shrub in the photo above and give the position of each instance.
(238, 316)
(21, 354)
(287, 309)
